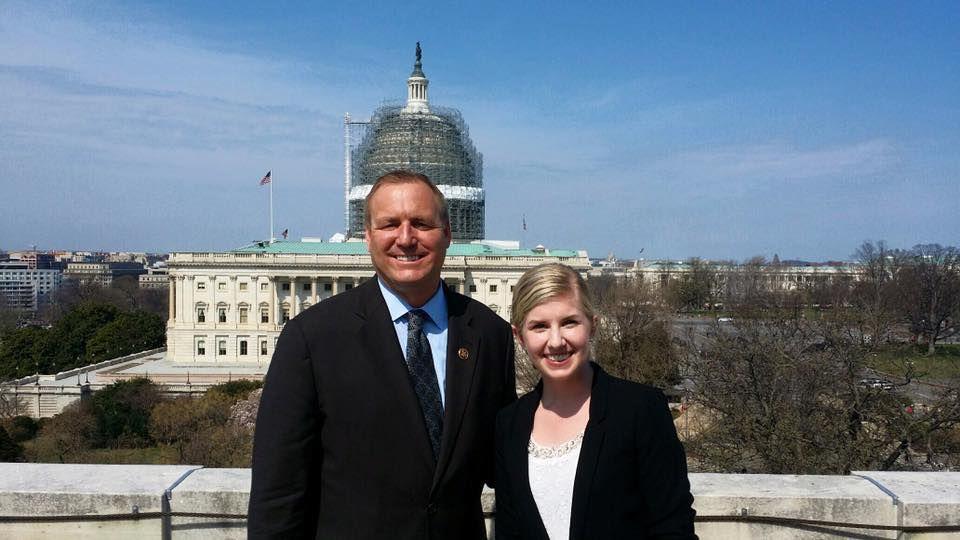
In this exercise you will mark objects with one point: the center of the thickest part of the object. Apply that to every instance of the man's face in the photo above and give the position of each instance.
(407, 240)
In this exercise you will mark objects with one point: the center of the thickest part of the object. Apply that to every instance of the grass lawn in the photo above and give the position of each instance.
(943, 365)
(153, 455)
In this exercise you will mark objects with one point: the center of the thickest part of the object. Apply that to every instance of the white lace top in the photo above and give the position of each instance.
(552, 472)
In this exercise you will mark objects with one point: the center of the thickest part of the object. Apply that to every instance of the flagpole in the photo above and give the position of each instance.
(272, 238)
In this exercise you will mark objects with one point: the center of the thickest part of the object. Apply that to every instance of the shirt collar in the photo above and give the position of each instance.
(436, 306)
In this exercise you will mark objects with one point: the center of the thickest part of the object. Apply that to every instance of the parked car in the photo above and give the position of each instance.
(879, 384)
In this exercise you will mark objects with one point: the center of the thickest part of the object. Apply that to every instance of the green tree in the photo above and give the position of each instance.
(127, 334)
(10, 450)
(71, 333)
(66, 437)
(122, 412)
(22, 352)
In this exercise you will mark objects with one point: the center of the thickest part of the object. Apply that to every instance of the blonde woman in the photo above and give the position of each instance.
(584, 455)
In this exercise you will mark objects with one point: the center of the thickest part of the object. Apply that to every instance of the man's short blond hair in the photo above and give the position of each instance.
(545, 282)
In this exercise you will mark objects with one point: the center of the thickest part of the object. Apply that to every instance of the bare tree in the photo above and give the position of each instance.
(928, 289)
(633, 338)
(873, 296)
(695, 289)
(782, 395)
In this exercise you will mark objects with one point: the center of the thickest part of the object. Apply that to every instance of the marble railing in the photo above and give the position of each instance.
(179, 501)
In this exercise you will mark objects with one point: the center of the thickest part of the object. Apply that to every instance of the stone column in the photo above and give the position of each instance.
(171, 300)
(233, 312)
(295, 304)
(274, 303)
(314, 283)
(335, 280)
(188, 287)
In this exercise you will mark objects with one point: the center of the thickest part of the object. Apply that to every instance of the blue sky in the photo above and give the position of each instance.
(720, 130)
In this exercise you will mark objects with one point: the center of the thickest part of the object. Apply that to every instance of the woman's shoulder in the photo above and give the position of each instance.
(622, 391)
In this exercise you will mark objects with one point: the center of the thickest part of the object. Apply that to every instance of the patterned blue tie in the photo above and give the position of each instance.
(424, 377)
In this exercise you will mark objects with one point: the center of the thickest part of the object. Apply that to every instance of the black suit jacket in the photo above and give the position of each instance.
(341, 450)
(631, 480)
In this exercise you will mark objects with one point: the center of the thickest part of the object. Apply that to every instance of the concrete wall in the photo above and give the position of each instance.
(868, 498)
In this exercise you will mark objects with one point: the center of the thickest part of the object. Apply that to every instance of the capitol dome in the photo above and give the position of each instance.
(430, 140)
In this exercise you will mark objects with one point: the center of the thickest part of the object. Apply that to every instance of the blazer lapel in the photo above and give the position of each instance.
(589, 453)
(519, 462)
(378, 339)
(463, 343)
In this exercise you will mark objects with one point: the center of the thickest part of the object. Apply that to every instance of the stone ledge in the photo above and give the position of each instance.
(869, 497)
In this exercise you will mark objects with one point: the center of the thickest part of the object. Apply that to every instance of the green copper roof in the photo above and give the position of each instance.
(360, 248)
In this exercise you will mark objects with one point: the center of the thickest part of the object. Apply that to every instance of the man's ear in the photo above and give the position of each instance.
(366, 235)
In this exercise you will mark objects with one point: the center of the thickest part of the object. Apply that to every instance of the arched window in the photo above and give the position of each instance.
(222, 312)
(285, 313)
(264, 312)
(201, 312)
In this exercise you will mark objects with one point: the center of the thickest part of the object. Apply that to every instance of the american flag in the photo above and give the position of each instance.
(266, 179)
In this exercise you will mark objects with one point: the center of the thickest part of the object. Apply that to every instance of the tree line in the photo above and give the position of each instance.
(82, 324)
(915, 290)
(790, 381)
(130, 421)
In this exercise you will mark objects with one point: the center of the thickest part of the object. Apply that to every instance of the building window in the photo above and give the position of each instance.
(264, 315)
(493, 288)
(243, 287)
(201, 348)
(243, 347)
(201, 314)
(222, 314)
(473, 288)
(263, 347)
(201, 285)
(286, 315)
(285, 286)
(222, 347)
(221, 286)
(349, 286)
(328, 287)
(511, 288)
(243, 315)
(263, 286)
(307, 287)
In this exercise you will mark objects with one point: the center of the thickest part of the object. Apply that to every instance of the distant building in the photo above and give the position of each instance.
(433, 141)
(23, 287)
(157, 277)
(102, 273)
(229, 307)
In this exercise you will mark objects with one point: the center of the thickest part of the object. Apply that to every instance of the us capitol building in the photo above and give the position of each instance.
(229, 307)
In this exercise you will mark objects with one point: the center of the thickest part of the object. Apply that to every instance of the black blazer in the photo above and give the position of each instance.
(631, 480)
(341, 450)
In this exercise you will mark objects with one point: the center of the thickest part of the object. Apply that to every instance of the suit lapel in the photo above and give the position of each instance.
(378, 338)
(520, 460)
(589, 453)
(463, 343)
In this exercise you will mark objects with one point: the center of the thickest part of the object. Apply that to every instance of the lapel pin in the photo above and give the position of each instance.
(463, 353)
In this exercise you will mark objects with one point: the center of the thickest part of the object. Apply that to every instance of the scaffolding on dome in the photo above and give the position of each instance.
(435, 143)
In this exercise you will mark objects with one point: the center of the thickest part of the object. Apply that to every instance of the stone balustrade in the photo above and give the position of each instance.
(728, 505)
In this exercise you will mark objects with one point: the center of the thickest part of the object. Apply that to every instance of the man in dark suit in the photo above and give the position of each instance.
(378, 412)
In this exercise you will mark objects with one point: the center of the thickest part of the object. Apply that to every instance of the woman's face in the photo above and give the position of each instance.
(556, 335)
